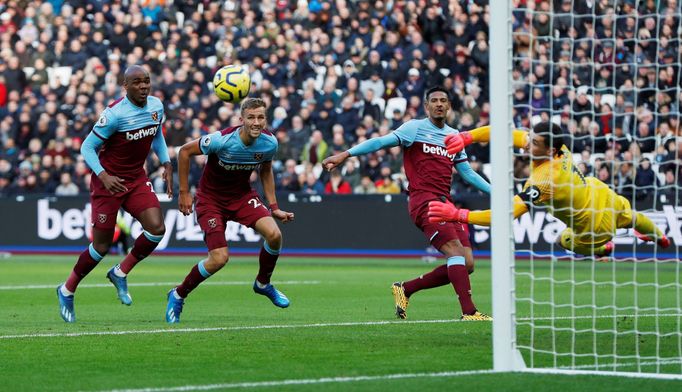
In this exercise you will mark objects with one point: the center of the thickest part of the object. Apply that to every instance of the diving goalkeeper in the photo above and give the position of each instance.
(590, 209)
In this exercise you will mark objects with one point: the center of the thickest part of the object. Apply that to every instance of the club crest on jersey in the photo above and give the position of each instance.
(101, 218)
(258, 156)
(212, 223)
(155, 116)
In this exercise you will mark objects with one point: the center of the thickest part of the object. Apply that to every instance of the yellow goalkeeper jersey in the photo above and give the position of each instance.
(577, 201)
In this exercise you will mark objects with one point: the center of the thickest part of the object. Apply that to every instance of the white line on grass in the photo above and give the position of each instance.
(281, 326)
(308, 381)
(150, 284)
(328, 380)
(214, 329)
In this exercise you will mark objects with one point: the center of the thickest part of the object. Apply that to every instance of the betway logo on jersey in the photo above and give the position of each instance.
(437, 150)
(236, 166)
(142, 133)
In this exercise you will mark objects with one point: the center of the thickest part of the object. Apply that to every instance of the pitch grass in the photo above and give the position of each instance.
(323, 291)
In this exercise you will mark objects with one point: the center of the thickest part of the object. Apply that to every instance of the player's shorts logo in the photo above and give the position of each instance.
(155, 116)
(212, 223)
(102, 218)
(258, 156)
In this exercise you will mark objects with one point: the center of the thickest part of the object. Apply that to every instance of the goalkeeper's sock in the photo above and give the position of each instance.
(267, 261)
(645, 226)
(436, 278)
(459, 277)
(197, 275)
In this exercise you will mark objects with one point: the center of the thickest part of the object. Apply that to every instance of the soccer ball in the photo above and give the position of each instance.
(232, 83)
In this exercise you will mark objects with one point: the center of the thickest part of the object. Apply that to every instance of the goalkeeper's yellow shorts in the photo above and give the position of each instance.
(617, 217)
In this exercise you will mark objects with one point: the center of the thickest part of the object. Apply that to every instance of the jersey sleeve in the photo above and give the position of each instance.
(210, 144)
(105, 125)
(537, 191)
(273, 150)
(461, 157)
(406, 133)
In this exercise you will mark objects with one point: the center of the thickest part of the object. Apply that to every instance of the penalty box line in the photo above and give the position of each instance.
(275, 326)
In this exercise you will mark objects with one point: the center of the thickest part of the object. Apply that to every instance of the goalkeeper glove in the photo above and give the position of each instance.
(447, 212)
(455, 142)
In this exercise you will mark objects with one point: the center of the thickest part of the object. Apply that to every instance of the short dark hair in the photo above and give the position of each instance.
(552, 134)
(435, 89)
(252, 103)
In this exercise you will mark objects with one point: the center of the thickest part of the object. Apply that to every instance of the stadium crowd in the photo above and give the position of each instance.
(337, 72)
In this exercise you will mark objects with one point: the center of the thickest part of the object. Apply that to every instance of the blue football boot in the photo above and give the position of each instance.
(121, 285)
(174, 308)
(277, 297)
(66, 306)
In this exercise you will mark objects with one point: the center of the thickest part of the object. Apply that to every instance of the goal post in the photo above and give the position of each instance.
(506, 357)
(610, 73)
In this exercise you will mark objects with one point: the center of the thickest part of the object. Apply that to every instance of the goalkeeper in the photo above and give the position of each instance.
(590, 209)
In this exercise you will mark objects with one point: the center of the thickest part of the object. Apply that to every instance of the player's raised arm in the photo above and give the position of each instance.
(447, 212)
(267, 178)
(456, 142)
(366, 147)
(186, 152)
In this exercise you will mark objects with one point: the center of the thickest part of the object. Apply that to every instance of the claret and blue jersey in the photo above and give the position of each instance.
(230, 162)
(428, 165)
(125, 133)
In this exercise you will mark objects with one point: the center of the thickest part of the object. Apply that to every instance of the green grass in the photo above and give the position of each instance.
(321, 335)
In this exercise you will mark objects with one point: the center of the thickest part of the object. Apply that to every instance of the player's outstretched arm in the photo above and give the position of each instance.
(366, 147)
(267, 178)
(457, 142)
(186, 152)
(447, 212)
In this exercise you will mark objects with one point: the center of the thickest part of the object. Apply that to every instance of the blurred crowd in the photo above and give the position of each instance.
(338, 72)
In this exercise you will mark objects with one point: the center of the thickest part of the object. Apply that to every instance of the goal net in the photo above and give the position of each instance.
(608, 72)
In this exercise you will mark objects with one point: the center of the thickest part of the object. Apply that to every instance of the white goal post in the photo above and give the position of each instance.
(555, 311)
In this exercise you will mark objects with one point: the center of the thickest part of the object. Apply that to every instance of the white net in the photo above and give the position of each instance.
(609, 73)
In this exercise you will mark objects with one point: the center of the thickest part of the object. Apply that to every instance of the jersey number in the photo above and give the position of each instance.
(151, 188)
(255, 203)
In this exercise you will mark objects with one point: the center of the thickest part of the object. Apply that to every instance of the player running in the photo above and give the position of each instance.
(428, 167)
(590, 209)
(225, 193)
(123, 135)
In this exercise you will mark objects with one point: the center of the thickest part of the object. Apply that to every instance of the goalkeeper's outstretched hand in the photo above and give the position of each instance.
(455, 142)
(447, 212)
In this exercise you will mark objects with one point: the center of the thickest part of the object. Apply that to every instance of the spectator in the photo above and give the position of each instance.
(366, 187)
(315, 150)
(66, 186)
(337, 185)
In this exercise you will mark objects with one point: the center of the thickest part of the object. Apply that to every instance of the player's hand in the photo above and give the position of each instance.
(455, 143)
(333, 161)
(112, 183)
(283, 216)
(185, 202)
(446, 212)
(168, 178)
